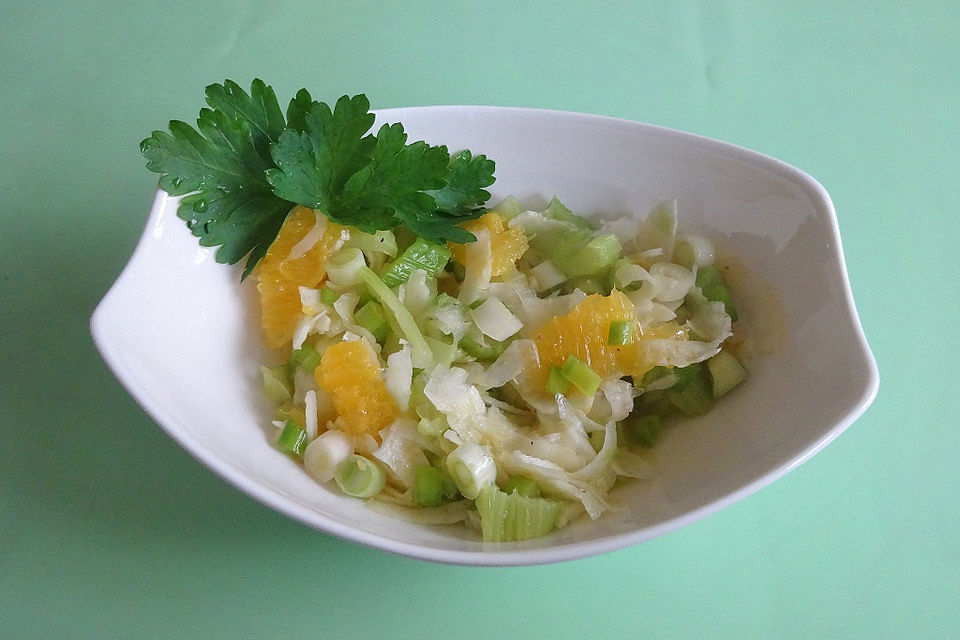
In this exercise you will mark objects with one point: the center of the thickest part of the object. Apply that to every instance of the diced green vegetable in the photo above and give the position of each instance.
(509, 208)
(557, 382)
(328, 296)
(431, 427)
(621, 333)
(447, 486)
(306, 357)
(428, 486)
(653, 374)
(557, 211)
(276, 383)
(581, 375)
(588, 284)
(645, 429)
(293, 438)
(481, 347)
(506, 517)
(429, 256)
(522, 485)
(691, 395)
(587, 259)
(686, 375)
(371, 317)
(726, 372)
(422, 355)
(359, 477)
(714, 288)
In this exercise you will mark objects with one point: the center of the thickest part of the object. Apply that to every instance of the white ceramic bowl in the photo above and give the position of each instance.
(179, 330)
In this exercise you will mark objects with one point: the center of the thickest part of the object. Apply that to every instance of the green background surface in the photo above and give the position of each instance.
(108, 529)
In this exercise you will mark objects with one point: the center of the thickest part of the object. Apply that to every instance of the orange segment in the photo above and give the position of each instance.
(584, 331)
(279, 277)
(506, 245)
(350, 373)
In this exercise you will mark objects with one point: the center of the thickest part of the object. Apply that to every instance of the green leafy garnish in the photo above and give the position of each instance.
(245, 166)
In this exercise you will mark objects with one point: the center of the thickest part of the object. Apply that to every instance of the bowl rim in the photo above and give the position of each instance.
(500, 554)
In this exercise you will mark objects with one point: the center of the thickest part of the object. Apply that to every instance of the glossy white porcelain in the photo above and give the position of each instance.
(180, 333)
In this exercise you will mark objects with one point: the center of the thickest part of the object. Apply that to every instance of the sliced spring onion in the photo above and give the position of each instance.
(422, 254)
(306, 357)
(557, 382)
(581, 375)
(420, 350)
(472, 467)
(621, 333)
(523, 485)
(495, 320)
(324, 454)
(293, 438)
(428, 486)
(343, 267)
(693, 251)
(371, 317)
(673, 281)
(359, 477)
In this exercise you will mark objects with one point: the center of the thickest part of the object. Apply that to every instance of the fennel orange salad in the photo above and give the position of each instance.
(447, 361)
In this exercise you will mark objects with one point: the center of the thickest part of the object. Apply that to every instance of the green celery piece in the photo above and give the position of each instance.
(581, 375)
(523, 486)
(591, 258)
(328, 296)
(645, 430)
(512, 517)
(422, 254)
(714, 288)
(306, 357)
(726, 372)
(428, 486)
(588, 284)
(371, 317)
(694, 397)
(686, 375)
(420, 350)
(509, 208)
(557, 211)
(293, 438)
(653, 374)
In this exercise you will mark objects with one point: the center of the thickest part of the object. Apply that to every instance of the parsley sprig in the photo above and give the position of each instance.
(246, 164)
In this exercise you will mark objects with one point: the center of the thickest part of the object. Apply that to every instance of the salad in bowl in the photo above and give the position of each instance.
(445, 360)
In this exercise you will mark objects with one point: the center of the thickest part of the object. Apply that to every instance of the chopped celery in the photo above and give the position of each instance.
(359, 477)
(580, 375)
(589, 285)
(557, 382)
(726, 372)
(587, 259)
(691, 395)
(645, 429)
(621, 333)
(481, 347)
(447, 486)
(431, 427)
(422, 254)
(714, 288)
(306, 357)
(557, 211)
(293, 438)
(506, 517)
(509, 208)
(276, 383)
(654, 374)
(328, 296)
(522, 485)
(371, 317)
(428, 486)
(422, 356)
